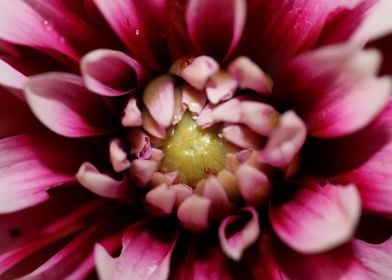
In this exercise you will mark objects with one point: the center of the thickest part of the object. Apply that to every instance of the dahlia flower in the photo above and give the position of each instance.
(195, 139)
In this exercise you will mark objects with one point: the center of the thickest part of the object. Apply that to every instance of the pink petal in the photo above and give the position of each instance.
(101, 184)
(243, 137)
(111, 73)
(41, 25)
(224, 22)
(152, 126)
(161, 199)
(260, 117)
(193, 99)
(195, 71)
(132, 115)
(63, 104)
(140, 143)
(145, 254)
(250, 76)
(118, 157)
(220, 203)
(363, 158)
(193, 213)
(285, 141)
(34, 163)
(159, 100)
(253, 184)
(10, 76)
(238, 232)
(229, 111)
(220, 87)
(205, 118)
(335, 89)
(376, 24)
(138, 26)
(308, 221)
(143, 170)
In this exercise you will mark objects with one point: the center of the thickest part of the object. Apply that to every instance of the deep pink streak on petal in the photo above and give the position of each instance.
(309, 220)
(146, 254)
(111, 73)
(34, 163)
(63, 104)
(334, 89)
(137, 23)
(215, 27)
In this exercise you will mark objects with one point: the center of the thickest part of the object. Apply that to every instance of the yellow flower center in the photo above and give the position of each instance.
(192, 151)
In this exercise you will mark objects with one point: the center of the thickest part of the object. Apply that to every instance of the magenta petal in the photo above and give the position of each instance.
(15, 116)
(111, 73)
(137, 23)
(33, 164)
(223, 20)
(203, 260)
(10, 76)
(63, 104)
(101, 184)
(308, 222)
(238, 232)
(335, 89)
(145, 254)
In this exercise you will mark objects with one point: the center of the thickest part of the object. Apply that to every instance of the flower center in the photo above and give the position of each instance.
(192, 151)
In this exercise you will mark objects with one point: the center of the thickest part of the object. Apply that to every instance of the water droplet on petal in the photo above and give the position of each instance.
(47, 25)
(137, 32)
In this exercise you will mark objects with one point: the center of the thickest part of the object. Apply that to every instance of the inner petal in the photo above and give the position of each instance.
(193, 152)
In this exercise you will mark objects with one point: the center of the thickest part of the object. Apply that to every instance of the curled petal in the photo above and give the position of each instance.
(220, 203)
(243, 137)
(63, 104)
(111, 73)
(118, 157)
(193, 99)
(250, 76)
(132, 115)
(153, 127)
(195, 71)
(10, 76)
(159, 100)
(140, 143)
(193, 213)
(260, 117)
(285, 142)
(101, 184)
(220, 87)
(308, 221)
(142, 170)
(238, 232)
(223, 20)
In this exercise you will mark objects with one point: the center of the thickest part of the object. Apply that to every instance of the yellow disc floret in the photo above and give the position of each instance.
(192, 151)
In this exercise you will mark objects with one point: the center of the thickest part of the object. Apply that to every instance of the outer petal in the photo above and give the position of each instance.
(146, 254)
(334, 89)
(223, 20)
(203, 260)
(364, 158)
(64, 105)
(137, 24)
(15, 116)
(309, 220)
(111, 73)
(41, 25)
(34, 163)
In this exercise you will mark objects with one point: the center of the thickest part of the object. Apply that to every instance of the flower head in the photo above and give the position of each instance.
(195, 139)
